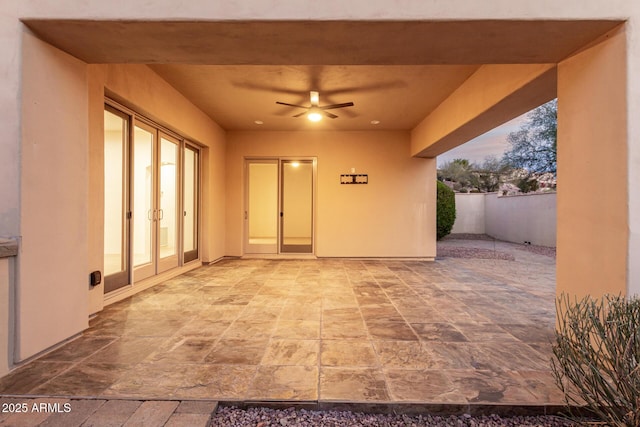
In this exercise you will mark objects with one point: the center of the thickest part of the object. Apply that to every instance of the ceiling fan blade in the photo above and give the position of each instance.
(331, 116)
(333, 106)
(301, 114)
(291, 105)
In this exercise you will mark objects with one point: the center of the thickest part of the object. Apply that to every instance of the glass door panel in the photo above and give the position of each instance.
(261, 216)
(168, 203)
(297, 207)
(190, 203)
(116, 260)
(143, 209)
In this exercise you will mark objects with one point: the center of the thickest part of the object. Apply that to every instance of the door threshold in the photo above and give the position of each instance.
(278, 256)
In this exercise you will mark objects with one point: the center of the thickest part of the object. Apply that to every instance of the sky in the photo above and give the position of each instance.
(492, 143)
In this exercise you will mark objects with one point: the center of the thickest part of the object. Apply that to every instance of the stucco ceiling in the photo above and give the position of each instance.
(236, 96)
(394, 72)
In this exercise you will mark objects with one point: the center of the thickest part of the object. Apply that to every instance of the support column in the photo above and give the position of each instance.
(592, 255)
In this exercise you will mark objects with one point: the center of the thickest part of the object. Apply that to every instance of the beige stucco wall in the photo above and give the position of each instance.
(522, 218)
(526, 217)
(470, 216)
(330, 9)
(494, 94)
(592, 170)
(52, 263)
(633, 150)
(392, 216)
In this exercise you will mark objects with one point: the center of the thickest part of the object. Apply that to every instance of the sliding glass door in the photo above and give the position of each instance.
(191, 204)
(168, 202)
(279, 206)
(116, 206)
(261, 214)
(144, 214)
(296, 206)
(151, 200)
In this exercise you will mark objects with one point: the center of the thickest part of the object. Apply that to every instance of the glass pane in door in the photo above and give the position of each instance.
(297, 206)
(190, 195)
(115, 138)
(262, 209)
(168, 213)
(143, 206)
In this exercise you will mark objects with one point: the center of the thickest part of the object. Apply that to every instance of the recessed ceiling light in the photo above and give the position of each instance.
(259, 122)
(375, 122)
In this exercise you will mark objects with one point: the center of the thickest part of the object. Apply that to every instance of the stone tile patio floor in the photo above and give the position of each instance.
(454, 331)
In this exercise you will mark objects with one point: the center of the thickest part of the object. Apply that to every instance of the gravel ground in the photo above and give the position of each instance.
(467, 252)
(263, 417)
(477, 253)
(468, 236)
(540, 250)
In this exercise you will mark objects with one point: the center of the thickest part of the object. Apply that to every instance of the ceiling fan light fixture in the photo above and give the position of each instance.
(315, 112)
(314, 115)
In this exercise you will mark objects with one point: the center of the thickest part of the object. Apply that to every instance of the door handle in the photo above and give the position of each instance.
(160, 214)
(281, 214)
(150, 215)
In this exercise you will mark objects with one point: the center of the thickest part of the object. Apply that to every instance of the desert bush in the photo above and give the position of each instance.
(527, 184)
(597, 355)
(445, 210)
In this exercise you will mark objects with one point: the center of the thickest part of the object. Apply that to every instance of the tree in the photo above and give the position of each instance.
(485, 177)
(533, 146)
(457, 170)
(490, 174)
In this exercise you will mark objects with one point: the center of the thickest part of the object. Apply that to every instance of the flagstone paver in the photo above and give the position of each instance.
(457, 330)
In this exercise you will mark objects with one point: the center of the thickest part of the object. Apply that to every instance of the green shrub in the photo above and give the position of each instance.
(597, 357)
(528, 184)
(445, 210)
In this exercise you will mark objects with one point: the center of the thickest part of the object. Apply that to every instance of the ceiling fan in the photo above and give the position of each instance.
(315, 111)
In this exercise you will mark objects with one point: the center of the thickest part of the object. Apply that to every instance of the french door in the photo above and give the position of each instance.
(279, 206)
(155, 201)
(152, 181)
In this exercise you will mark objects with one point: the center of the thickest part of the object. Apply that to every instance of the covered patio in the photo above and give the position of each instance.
(457, 331)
